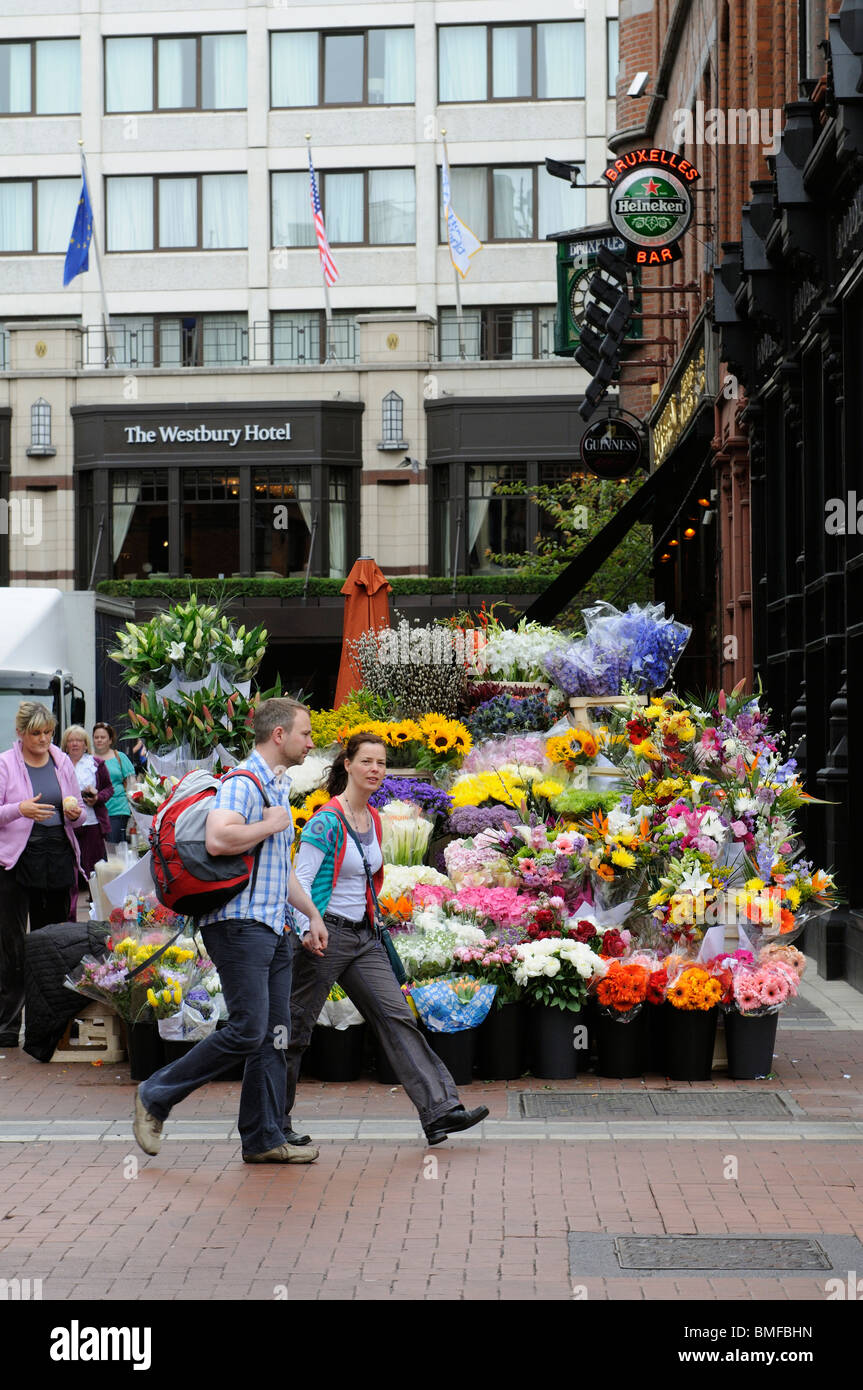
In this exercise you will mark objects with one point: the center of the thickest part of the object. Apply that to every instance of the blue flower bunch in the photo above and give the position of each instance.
(431, 800)
(506, 714)
(640, 648)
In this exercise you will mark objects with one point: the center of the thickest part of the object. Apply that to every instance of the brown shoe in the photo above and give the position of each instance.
(285, 1153)
(145, 1127)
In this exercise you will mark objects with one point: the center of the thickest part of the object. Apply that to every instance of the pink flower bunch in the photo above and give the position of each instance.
(462, 859)
(506, 907)
(431, 894)
(491, 952)
(764, 987)
(521, 749)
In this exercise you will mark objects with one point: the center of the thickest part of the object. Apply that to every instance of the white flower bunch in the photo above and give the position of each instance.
(406, 833)
(517, 654)
(547, 957)
(310, 774)
(403, 878)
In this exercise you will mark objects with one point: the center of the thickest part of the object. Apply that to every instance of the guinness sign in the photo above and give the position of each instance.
(650, 203)
(611, 448)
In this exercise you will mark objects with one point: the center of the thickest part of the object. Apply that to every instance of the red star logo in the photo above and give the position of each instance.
(651, 187)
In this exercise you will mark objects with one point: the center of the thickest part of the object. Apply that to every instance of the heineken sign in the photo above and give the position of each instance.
(650, 202)
(611, 448)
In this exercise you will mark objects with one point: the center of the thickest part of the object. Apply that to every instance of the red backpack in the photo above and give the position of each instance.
(187, 878)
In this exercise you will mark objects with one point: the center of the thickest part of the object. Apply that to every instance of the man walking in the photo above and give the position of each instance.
(250, 942)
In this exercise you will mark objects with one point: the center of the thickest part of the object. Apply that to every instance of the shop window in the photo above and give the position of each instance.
(496, 524)
(210, 521)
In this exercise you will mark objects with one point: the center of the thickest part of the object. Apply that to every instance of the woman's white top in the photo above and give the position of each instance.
(349, 890)
(85, 771)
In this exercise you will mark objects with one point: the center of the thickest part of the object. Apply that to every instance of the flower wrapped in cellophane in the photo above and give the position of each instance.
(405, 833)
(453, 1004)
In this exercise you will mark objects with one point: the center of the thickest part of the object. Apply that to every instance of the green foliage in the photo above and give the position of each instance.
(579, 508)
(520, 582)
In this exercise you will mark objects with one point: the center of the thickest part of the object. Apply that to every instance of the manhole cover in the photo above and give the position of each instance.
(678, 1105)
(718, 1252)
(688, 1105)
(570, 1105)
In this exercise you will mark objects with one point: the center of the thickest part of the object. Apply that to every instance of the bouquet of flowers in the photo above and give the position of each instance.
(123, 978)
(493, 961)
(639, 648)
(557, 971)
(338, 1011)
(578, 748)
(450, 1005)
(518, 654)
(693, 987)
(433, 802)
(523, 750)
(622, 990)
(405, 833)
(503, 715)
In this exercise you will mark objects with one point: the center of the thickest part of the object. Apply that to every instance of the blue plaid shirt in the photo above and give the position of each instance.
(269, 901)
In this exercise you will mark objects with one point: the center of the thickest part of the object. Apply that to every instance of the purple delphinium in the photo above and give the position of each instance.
(432, 801)
(505, 714)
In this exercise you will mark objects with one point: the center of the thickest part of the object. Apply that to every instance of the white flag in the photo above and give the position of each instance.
(462, 242)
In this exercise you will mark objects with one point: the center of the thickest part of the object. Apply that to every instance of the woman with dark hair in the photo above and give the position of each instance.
(340, 865)
(39, 802)
(120, 770)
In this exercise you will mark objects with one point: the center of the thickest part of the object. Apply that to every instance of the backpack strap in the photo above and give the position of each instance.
(243, 772)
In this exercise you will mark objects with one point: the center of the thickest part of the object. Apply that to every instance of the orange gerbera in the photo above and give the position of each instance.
(607, 872)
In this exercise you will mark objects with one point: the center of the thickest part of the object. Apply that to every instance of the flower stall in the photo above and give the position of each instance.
(582, 867)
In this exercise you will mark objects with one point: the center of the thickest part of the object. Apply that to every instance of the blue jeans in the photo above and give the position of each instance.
(254, 965)
(119, 825)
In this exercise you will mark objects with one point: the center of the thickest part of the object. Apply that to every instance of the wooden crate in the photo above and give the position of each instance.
(100, 1037)
(581, 705)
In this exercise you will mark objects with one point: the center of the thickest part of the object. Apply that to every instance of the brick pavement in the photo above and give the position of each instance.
(475, 1219)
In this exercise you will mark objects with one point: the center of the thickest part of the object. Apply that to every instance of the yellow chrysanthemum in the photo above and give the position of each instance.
(623, 858)
(793, 896)
(548, 787)
(658, 899)
(754, 885)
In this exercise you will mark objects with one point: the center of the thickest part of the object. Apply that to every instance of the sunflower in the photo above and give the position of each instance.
(407, 731)
(314, 801)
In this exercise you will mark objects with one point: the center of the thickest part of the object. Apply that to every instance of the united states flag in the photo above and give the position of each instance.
(331, 275)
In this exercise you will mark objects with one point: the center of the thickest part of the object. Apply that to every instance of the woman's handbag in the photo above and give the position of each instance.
(381, 931)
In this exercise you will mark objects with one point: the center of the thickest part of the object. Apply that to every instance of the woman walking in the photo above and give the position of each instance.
(340, 865)
(94, 784)
(120, 771)
(39, 804)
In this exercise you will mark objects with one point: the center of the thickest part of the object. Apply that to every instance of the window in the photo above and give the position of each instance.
(392, 421)
(299, 339)
(375, 207)
(282, 516)
(206, 72)
(497, 334)
(495, 524)
(339, 492)
(139, 523)
(511, 62)
(203, 212)
(366, 67)
(613, 56)
(513, 204)
(210, 519)
(41, 77)
(170, 340)
(37, 215)
(40, 430)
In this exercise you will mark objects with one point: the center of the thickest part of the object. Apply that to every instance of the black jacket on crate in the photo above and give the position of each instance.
(49, 955)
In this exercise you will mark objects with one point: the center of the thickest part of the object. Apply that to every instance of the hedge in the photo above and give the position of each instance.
(514, 583)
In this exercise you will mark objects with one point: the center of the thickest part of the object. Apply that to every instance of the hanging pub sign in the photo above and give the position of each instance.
(611, 447)
(651, 203)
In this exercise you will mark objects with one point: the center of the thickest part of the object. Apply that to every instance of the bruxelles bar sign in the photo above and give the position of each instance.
(650, 203)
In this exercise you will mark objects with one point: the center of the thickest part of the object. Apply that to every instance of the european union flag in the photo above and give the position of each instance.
(78, 253)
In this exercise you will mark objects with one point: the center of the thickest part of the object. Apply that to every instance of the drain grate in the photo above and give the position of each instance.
(678, 1105)
(719, 1252)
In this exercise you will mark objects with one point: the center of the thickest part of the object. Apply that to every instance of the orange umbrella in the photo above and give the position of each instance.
(366, 606)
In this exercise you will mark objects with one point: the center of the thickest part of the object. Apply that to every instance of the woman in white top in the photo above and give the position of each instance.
(340, 865)
(96, 790)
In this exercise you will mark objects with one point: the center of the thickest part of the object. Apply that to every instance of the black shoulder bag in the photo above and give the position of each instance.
(381, 932)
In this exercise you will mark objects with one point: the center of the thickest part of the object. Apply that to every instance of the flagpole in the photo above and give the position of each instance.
(458, 309)
(109, 350)
(328, 313)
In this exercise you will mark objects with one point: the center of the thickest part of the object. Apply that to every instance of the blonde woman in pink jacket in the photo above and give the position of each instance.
(39, 857)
